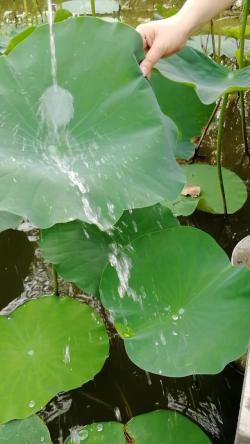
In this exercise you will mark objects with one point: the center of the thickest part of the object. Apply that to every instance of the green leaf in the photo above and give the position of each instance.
(47, 345)
(19, 38)
(210, 80)
(162, 426)
(176, 101)
(182, 297)
(210, 200)
(165, 426)
(25, 431)
(8, 220)
(105, 432)
(110, 151)
(80, 251)
(84, 6)
(61, 15)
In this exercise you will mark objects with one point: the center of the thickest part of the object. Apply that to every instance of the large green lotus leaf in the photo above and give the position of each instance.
(105, 433)
(165, 427)
(110, 151)
(182, 304)
(8, 220)
(176, 100)
(210, 200)
(31, 430)
(80, 251)
(47, 345)
(210, 80)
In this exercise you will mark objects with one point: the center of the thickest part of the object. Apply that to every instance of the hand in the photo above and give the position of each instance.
(160, 39)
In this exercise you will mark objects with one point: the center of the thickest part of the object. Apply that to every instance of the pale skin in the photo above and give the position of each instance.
(165, 37)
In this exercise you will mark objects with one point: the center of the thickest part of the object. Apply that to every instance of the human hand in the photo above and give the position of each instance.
(160, 39)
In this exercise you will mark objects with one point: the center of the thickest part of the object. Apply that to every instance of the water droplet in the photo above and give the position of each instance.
(99, 427)
(174, 333)
(181, 311)
(175, 317)
(30, 352)
(32, 404)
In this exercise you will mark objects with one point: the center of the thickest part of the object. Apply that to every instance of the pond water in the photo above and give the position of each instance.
(121, 390)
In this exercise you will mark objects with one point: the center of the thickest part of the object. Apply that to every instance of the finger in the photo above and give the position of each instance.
(152, 57)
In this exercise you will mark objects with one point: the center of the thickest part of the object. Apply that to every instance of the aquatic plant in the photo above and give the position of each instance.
(87, 154)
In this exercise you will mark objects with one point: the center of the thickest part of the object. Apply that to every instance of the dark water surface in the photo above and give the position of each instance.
(121, 390)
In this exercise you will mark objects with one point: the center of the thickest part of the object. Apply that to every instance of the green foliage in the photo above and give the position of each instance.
(61, 15)
(179, 302)
(20, 37)
(165, 426)
(8, 220)
(31, 430)
(111, 151)
(176, 101)
(162, 426)
(105, 433)
(210, 79)
(81, 251)
(210, 200)
(47, 345)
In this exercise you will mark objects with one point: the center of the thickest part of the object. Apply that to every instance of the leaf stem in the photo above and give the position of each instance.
(213, 39)
(211, 118)
(55, 280)
(219, 150)
(93, 7)
(246, 5)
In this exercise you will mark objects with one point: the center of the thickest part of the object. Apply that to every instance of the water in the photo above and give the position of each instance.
(121, 390)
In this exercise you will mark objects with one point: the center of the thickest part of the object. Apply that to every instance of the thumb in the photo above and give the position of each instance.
(152, 57)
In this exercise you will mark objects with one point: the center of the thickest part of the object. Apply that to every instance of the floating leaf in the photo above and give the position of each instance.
(210, 200)
(84, 6)
(210, 80)
(176, 101)
(183, 306)
(8, 220)
(81, 251)
(165, 426)
(61, 15)
(47, 345)
(162, 426)
(105, 432)
(25, 431)
(83, 149)
(19, 38)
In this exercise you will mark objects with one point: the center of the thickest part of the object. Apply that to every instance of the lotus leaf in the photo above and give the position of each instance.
(47, 345)
(183, 303)
(8, 220)
(105, 433)
(30, 430)
(81, 251)
(91, 146)
(176, 101)
(210, 79)
(210, 200)
(165, 427)
(159, 427)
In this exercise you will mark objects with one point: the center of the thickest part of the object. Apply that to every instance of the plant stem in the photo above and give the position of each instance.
(219, 150)
(25, 7)
(246, 5)
(213, 39)
(55, 280)
(211, 118)
(93, 7)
